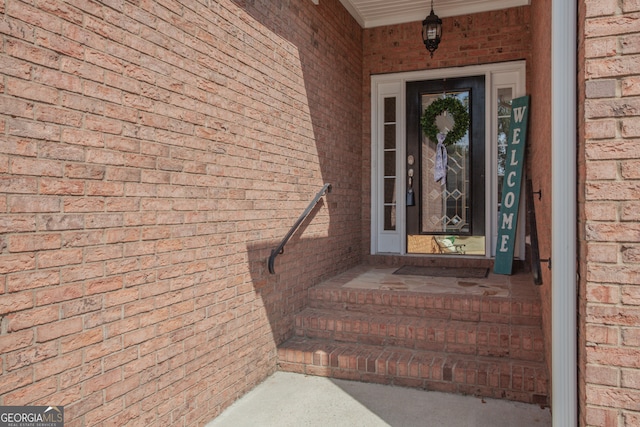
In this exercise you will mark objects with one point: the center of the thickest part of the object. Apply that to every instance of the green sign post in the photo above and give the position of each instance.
(508, 215)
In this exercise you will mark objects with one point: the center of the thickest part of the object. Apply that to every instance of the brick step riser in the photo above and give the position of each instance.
(519, 343)
(398, 261)
(430, 345)
(523, 382)
(525, 313)
(443, 314)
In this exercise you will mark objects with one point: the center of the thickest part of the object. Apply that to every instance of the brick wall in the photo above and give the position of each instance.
(538, 156)
(151, 155)
(582, 266)
(609, 222)
(481, 38)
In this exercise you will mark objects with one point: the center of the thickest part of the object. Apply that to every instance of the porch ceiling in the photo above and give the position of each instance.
(376, 13)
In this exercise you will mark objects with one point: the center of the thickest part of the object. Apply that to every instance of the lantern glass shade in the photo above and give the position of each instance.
(431, 32)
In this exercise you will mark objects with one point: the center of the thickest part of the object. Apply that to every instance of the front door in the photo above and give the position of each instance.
(446, 211)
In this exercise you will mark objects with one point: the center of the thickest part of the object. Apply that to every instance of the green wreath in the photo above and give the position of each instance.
(460, 119)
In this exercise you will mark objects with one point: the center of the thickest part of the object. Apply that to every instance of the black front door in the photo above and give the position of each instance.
(448, 215)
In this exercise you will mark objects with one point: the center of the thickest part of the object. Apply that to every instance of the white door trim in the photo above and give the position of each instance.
(564, 382)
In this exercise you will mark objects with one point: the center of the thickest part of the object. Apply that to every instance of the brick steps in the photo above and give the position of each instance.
(519, 342)
(453, 373)
(488, 345)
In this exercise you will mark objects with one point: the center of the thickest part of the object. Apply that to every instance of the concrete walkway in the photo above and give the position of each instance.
(287, 399)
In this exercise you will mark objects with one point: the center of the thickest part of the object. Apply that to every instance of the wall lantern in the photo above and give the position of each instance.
(431, 31)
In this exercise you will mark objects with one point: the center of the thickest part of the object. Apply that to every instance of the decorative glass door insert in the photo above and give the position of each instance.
(445, 205)
(449, 214)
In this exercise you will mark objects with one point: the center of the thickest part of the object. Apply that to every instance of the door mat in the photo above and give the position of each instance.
(460, 272)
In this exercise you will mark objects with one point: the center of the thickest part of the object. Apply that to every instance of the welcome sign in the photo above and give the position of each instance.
(508, 215)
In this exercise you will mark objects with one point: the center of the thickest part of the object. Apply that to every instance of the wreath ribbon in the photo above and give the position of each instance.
(440, 169)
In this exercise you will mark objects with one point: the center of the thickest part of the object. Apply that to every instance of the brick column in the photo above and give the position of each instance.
(610, 214)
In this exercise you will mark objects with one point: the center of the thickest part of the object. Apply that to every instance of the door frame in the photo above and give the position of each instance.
(507, 74)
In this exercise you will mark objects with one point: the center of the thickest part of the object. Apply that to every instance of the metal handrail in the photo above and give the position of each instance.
(280, 248)
(536, 270)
